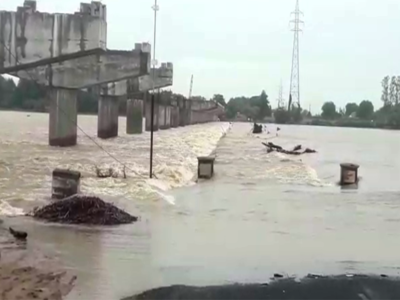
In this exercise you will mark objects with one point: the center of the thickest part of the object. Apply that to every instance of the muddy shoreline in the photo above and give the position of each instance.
(26, 273)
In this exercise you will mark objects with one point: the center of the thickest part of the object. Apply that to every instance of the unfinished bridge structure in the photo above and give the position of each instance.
(66, 53)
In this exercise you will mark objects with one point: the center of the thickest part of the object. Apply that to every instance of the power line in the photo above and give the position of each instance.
(67, 116)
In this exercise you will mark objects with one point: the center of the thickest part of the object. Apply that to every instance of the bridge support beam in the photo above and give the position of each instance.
(134, 116)
(107, 119)
(63, 117)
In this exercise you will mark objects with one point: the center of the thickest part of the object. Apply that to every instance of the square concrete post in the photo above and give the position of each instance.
(63, 117)
(107, 117)
(148, 112)
(134, 116)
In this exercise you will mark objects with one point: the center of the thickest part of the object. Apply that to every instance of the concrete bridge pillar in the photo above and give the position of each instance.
(181, 109)
(161, 116)
(63, 117)
(168, 117)
(188, 112)
(107, 117)
(174, 116)
(134, 116)
(148, 112)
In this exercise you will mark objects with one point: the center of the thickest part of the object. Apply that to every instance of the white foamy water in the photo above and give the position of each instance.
(26, 160)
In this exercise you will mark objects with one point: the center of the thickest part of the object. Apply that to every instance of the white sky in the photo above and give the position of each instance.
(239, 47)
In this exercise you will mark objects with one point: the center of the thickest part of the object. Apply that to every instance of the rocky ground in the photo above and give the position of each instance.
(28, 274)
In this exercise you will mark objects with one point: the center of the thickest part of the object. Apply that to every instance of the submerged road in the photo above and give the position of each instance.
(261, 214)
(271, 213)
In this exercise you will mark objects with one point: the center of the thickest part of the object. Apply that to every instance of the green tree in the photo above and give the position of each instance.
(265, 108)
(198, 98)
(7, 90)
(329, 110)
(282, 116)
(392, 90)
(385, 91)
(351, 108)
(365, 110)
(219, 99)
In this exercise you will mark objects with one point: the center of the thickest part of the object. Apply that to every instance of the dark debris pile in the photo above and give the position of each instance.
(82, 209)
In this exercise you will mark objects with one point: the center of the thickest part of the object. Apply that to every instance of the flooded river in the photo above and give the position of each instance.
(261, 213)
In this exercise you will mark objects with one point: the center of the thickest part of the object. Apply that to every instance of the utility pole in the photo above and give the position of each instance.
(295, 75)
(281, 101)
(191, 87)
(153, 66)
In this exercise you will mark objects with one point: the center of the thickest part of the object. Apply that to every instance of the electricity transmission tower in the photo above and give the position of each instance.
(295, 76)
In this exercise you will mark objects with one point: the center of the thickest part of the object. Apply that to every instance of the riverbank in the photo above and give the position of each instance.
(29, 274)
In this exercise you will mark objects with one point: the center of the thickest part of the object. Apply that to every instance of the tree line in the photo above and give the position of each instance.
(387, 116)
(29, 96)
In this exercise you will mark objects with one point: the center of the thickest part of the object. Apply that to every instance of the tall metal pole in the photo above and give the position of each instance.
(153, 67)
(191, 87)
(295, 75)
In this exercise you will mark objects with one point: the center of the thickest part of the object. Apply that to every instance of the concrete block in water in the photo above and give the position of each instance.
(134, 116)
(205, 167)
(107, 119)
(348, 174)
(63, 117)
(65, 183)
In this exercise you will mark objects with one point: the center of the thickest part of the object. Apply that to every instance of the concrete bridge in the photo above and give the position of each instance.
(68, 52)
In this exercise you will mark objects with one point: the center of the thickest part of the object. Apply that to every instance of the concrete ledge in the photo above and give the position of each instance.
(84, 72)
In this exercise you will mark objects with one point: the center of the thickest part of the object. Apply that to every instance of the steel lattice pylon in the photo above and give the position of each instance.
(295, 75)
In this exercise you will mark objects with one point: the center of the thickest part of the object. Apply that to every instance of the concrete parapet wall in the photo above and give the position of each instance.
(84, 72)
(33, 38)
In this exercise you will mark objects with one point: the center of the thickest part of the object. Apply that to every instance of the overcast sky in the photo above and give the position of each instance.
(240, 47)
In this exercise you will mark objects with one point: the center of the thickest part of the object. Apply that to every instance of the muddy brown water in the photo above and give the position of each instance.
(261, 214)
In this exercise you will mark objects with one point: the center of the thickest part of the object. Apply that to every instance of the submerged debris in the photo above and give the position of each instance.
(81, 209)
(19, 235)
(296, 150)
(257, 128)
